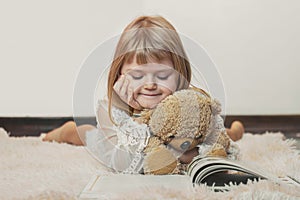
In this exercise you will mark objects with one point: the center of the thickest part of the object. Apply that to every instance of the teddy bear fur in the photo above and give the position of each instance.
(179, 123)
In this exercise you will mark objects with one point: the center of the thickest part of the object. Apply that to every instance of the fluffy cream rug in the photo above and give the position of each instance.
(32, 169)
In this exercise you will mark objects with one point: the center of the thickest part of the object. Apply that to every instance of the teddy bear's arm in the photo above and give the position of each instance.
(158, 159)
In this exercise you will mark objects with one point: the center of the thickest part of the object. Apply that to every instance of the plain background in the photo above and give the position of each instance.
(254, 43)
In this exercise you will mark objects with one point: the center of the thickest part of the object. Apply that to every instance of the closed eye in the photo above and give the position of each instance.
(163, 77)
(137, 77)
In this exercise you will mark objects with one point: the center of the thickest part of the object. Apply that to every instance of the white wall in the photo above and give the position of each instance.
(255, 44)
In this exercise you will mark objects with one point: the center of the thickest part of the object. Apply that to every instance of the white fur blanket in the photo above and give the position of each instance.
(32, 169)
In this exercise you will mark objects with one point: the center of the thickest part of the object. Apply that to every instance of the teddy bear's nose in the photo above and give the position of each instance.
(185, 145)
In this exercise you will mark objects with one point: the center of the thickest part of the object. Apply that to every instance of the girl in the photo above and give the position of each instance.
(149, 64)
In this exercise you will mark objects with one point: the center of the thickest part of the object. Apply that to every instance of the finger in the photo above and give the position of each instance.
(130, 96)
(118, 85)
(135, 105)
(131, 100)
(124, 89)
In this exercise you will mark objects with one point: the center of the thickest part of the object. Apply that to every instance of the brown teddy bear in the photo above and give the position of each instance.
(179, 123)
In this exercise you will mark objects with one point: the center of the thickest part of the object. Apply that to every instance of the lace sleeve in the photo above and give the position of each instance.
(120, 146)
(132, 136)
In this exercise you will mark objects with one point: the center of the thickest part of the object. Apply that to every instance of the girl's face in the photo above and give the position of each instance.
(151, 82)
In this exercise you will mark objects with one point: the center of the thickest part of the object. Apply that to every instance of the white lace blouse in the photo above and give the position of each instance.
(119, 147)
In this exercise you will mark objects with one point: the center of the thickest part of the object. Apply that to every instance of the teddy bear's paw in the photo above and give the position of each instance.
(223, 140)
(218, 150)
(159, 161)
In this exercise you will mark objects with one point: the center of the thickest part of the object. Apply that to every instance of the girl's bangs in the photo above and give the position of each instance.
(146, 55)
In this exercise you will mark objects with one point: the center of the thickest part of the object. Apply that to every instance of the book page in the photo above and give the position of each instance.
(104, 186)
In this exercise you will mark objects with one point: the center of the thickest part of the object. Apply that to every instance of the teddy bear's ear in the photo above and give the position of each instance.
(215, 107)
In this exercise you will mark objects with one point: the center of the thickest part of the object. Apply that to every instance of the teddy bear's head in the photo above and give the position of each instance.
(182, 119)
(179, 122)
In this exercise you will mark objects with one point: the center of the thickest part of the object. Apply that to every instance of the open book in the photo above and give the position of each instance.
(212, 171)
(218, 172)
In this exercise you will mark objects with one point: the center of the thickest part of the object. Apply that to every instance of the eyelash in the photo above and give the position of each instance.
(137, 77)
(159, 77)
(163, 77)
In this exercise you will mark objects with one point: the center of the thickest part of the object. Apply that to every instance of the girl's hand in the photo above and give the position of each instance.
(125, 92)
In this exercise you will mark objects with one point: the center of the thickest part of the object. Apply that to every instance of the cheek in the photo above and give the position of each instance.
(172, 84)
(167, 91)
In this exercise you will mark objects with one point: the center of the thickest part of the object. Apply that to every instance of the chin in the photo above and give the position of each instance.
(149, 105)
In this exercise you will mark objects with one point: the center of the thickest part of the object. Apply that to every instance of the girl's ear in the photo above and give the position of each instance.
(215, 107)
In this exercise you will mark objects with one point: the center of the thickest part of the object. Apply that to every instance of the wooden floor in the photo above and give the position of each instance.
(33, 126)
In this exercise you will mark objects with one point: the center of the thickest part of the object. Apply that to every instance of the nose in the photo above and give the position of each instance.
(150, 86)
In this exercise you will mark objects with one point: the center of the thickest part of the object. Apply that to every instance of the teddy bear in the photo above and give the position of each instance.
(179, 123)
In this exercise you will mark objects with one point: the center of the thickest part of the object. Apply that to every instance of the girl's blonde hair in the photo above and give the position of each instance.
(147, 39)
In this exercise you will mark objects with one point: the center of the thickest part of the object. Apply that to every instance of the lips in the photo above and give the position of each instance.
(150, 95)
